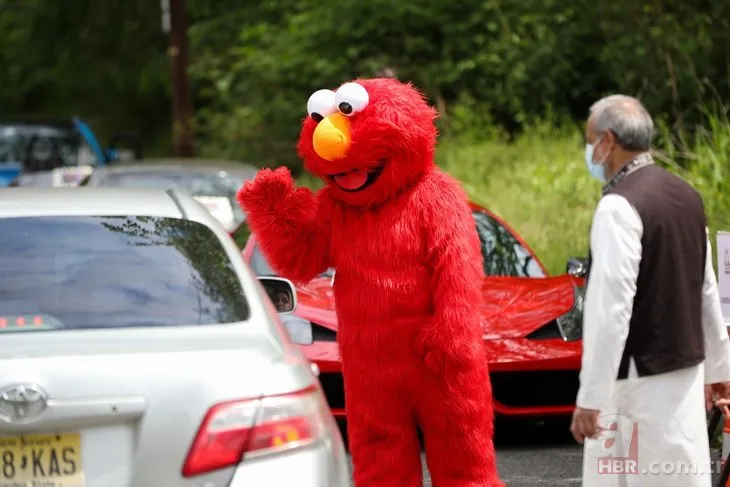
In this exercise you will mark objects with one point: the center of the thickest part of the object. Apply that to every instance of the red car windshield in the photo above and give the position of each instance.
(502, 251)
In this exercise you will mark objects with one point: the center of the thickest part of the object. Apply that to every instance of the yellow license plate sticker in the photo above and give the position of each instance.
(41, 461)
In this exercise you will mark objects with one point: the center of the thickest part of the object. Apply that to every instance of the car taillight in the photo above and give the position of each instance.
(236, 430)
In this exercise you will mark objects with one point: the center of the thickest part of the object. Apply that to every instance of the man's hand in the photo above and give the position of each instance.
(724, 405)
(585, 424)
(719, 395)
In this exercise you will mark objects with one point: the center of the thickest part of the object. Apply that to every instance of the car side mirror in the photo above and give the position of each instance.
(281, 292)
(577, 267)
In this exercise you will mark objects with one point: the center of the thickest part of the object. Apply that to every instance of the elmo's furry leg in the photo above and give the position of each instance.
(456, 417)
(291, 224)
(381, 429)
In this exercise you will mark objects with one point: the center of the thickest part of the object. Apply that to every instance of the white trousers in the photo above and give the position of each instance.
(655, 434)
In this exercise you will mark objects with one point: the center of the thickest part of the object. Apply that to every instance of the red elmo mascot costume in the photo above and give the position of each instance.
(401, 237)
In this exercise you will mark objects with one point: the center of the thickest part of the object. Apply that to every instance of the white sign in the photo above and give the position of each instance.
(723, 272)
(220, 208)
(70, 176)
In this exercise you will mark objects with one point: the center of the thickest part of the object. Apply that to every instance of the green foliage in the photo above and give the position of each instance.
(105, 61)
(254, 64)
(708, 167)
(508, 61)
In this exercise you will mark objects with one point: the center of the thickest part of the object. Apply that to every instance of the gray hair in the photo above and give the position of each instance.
(627, 118)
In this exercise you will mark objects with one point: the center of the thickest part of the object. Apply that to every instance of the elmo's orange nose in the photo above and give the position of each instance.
(331, 138)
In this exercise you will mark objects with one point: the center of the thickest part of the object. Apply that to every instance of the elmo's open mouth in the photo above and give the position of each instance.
(356, 179)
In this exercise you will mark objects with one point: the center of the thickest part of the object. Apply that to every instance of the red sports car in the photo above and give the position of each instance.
(532, 323)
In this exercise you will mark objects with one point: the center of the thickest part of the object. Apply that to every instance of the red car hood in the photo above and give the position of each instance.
(317, 294)
(516, 306)
(513, 306)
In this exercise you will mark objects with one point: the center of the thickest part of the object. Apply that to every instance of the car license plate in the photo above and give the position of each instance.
(41, 461)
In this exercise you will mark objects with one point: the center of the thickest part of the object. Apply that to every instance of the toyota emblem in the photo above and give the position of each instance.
(22, 403)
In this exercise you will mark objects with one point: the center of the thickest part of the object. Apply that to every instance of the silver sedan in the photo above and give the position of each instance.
(139, 351)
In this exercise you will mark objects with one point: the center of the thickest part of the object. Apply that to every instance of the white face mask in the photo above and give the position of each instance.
(595, 169)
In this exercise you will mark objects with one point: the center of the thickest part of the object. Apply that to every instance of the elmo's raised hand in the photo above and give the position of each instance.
(267, 190)
(284, 217)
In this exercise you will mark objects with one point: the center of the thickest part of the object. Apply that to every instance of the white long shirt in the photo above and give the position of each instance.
(615, 256)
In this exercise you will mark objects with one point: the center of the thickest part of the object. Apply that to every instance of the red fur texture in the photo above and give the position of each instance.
(408, 292)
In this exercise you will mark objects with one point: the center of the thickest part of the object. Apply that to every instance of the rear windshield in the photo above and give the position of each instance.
(114, 272)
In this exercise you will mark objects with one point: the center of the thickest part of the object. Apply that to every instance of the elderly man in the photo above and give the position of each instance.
(654, 332)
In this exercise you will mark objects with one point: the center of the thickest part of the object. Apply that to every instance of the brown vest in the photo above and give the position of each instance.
(665, 332)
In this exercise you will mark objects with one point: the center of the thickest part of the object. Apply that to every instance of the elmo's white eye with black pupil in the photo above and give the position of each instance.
(351, 98)
(321, 104)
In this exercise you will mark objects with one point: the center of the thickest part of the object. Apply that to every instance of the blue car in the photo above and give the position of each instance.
(34, 150)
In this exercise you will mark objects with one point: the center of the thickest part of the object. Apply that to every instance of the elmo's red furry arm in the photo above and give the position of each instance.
(291, 224)
(455, 261)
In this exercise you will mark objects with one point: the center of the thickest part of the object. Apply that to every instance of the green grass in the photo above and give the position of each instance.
(539, 183)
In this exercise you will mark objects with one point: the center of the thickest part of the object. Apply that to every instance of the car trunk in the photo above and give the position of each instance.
(123, 405)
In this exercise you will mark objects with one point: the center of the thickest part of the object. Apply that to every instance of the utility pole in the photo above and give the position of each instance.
(175, 23)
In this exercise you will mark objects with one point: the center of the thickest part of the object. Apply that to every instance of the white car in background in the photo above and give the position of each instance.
(138, 350)
(213, 183)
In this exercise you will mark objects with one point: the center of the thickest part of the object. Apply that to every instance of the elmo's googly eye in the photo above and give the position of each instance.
(321, 104)
(351, 98)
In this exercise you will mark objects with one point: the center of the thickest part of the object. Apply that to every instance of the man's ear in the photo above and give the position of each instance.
(612, 140)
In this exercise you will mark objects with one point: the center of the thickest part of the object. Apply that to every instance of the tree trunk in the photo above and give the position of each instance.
(182, 106)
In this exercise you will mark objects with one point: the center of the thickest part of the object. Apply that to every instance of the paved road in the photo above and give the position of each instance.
(535, 455)
(539, 456)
